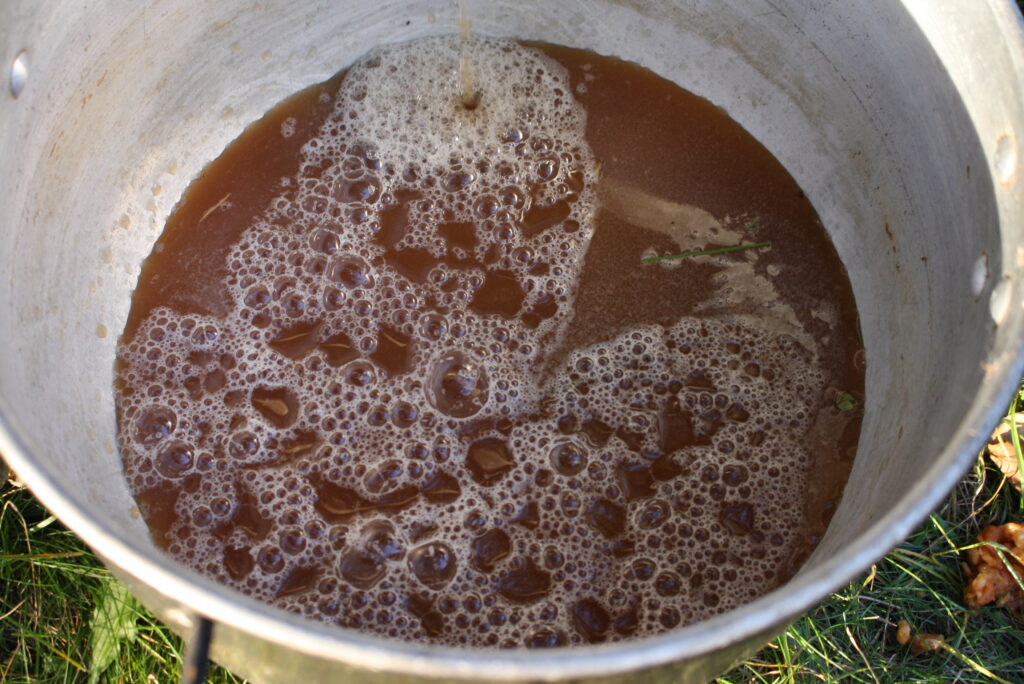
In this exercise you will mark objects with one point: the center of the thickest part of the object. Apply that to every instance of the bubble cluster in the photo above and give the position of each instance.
(367, 437)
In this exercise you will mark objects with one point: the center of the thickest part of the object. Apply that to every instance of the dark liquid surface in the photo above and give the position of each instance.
(484, 419)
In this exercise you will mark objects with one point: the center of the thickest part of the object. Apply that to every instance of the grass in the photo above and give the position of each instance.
(63, 618)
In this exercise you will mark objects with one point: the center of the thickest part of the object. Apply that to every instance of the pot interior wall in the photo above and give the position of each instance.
(120, 114)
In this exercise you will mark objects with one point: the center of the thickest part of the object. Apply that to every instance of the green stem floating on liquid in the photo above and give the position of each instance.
(706, 252)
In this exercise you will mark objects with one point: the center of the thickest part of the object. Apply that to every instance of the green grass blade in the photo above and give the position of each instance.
(113, 623)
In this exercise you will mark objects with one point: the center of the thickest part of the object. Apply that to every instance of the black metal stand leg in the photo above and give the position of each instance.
(197, 653)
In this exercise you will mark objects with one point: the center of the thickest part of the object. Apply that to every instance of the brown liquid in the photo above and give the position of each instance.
(673, 450)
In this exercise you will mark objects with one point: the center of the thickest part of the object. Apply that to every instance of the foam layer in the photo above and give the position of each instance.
(379, 433)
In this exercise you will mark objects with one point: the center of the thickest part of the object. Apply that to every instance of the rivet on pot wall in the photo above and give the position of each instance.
(19, 73)
(179, 617)
(1005, 159)
(999, 300)
(979, 274)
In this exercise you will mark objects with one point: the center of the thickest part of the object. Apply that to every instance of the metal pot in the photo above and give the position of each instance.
(900, 120)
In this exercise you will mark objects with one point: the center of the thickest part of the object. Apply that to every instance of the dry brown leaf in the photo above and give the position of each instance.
(927, 643)
(903, 632)
(920, 642)
(991, 571)
(1000, 449)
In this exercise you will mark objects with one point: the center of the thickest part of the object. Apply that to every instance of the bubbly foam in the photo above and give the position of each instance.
(366, 438)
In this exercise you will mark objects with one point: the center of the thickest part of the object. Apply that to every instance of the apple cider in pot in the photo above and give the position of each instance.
(554, 364)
